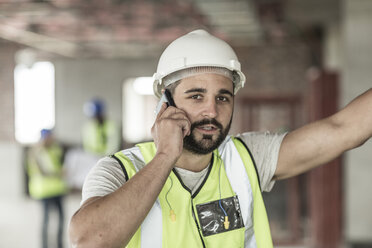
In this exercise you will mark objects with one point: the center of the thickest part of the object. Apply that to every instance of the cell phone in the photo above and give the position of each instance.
(167, 98)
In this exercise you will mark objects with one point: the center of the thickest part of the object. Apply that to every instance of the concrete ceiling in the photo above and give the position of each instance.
(132, 28)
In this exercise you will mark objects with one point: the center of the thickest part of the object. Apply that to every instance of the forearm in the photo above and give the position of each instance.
(320, 142)
(111, 221)
(356, 120)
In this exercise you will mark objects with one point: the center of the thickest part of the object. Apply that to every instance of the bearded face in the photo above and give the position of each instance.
(208, 100)
(205, 143)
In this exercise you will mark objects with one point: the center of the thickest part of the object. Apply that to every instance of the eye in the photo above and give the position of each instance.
(222, 99)
(196, 97)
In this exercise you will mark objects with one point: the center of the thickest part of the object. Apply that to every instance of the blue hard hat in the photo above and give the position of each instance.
(45, 133)
(94, 107)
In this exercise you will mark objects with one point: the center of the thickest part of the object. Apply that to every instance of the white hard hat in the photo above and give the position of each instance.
(200, 52)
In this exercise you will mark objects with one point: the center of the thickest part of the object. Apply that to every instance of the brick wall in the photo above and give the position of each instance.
(271, 68)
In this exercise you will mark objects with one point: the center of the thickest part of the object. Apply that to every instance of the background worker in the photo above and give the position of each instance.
(46, 182)
(100, 136)
(196, 186)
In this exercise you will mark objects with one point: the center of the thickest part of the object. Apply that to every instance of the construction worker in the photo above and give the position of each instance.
(196, 186)
(46, 181)
(100, 136)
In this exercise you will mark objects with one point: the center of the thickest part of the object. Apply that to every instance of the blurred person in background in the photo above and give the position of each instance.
(100, 136)
(195, 185)
(46, 182)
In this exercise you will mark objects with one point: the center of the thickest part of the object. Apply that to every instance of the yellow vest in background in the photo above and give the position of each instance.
(45, 172)
(231, 177)
(100, 139)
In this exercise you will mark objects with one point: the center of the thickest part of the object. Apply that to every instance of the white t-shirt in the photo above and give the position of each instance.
(107, 176)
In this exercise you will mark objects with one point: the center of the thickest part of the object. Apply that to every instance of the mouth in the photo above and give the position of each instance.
(207, 129)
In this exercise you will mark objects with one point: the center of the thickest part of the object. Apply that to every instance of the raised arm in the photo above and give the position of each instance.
(322, 141)
(111, 220)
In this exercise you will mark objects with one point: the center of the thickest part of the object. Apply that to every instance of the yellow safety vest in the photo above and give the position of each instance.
(231, 187)
(45, 186)
(100, 139)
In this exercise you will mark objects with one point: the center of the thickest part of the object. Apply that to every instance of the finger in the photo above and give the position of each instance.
(162, 109)
(185, 125)
(171, 111)
(178, 116)
(186, 128)
(185, 132)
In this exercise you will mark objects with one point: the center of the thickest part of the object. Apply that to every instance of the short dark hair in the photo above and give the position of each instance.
(172, 87)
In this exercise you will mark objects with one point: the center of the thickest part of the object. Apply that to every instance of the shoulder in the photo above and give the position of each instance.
(106, 167)
(104, 178)
(261, 140)
(264, 147)
(133, 155)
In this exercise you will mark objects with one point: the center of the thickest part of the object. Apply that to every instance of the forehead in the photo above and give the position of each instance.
(209, 81)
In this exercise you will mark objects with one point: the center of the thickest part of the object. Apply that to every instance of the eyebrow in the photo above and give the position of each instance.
(224, 91)
(202, 90)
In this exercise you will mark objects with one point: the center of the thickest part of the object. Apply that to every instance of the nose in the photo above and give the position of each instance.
(210, 109)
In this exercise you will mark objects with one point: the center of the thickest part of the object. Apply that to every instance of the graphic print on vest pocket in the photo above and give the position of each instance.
(212, 216)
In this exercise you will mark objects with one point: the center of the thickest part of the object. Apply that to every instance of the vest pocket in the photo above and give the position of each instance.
(220, 216)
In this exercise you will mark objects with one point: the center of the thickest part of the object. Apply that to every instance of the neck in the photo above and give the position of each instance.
(193, 162)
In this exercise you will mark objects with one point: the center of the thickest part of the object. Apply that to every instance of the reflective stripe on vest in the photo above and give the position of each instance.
(242, 187)
(239, 176)
(151, 227)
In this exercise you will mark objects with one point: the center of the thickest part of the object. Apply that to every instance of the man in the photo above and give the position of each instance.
(46, 181)
(100, 135)
(194, 186)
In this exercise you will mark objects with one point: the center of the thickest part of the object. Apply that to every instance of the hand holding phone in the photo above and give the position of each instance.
(167, 98)
(170, 127)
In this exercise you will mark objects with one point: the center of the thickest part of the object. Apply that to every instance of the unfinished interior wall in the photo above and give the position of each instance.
(7, 64)
(357, 77)
(78, 81)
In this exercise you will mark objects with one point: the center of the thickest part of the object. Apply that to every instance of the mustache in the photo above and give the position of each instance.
(206, 122)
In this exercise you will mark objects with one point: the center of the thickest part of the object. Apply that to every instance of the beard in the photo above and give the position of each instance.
(207, 144)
